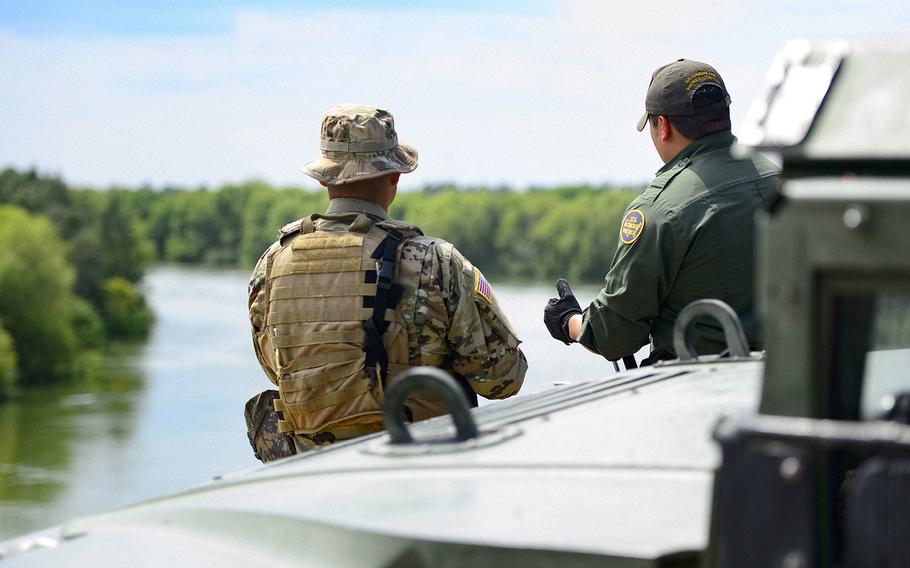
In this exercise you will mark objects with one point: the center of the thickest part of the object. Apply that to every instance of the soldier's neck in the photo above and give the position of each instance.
(377, 198)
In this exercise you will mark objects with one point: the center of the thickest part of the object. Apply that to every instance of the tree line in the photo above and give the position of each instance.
(540, 233)
(72, 259)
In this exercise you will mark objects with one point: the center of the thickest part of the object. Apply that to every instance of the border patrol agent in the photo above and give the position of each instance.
(689, 235)
(345, 301)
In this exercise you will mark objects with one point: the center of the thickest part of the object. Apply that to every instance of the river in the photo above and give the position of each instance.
(167, 414)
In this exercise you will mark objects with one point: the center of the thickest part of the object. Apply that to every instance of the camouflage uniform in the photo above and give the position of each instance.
(446, 316)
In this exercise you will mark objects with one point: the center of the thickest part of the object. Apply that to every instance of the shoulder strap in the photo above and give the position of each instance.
(407, 229)
(360, 223)
(387, 295)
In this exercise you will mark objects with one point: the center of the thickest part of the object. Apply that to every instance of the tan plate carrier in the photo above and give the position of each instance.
(321, 291)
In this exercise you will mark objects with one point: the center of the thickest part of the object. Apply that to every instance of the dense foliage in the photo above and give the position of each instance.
(89, 248)
(66, 256)
(540, 233)
(40, 311)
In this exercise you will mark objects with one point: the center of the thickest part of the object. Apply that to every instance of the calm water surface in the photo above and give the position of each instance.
(167, 415)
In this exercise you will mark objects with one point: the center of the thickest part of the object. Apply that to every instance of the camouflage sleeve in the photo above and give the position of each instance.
(484, 344)
(258, 304)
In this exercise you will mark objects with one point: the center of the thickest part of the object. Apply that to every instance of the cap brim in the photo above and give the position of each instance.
(642, 121)
(337, 168)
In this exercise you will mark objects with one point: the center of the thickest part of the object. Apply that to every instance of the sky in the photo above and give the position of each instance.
(517, 93)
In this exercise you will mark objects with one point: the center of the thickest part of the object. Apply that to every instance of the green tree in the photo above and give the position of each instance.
(37, 304)
(468, 219)
(126, 251)
(9, 371)
(41, 194)
(269, 210)
(125, 310)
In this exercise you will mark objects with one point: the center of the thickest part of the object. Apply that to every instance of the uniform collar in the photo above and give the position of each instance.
(351, 205)
(701, 146)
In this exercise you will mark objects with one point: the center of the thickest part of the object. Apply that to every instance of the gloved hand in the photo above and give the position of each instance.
(558, 311)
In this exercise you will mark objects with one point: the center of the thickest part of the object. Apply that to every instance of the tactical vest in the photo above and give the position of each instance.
(332, 324)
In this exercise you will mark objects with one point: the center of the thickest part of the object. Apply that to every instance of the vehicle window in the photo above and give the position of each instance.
(887, 367)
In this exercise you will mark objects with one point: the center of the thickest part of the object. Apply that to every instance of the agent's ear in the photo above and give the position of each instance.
(664, 129)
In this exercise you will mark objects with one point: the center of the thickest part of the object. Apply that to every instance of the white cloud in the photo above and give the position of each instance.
(486, 98)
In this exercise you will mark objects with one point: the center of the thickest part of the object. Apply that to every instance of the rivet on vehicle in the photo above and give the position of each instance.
(794, 559)
(856, 217)
(791, 469)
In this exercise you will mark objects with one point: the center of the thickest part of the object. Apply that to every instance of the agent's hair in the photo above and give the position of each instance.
(702, 123)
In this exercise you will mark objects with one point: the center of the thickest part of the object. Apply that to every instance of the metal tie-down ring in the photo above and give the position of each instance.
(725, 316)
(426, 379)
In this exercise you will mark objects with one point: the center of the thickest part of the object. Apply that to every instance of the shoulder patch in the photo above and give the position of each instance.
(632, 226)
(482, 287)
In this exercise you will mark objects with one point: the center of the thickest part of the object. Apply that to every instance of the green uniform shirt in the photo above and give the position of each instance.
(689, 235)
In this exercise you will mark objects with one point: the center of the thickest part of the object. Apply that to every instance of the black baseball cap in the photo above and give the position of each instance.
(674, 85)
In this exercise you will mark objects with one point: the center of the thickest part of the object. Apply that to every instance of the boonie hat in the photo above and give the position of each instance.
(359, 142)
(674, 85)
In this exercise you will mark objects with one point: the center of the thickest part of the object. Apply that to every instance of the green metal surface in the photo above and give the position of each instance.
(808, 235)
(616, 471)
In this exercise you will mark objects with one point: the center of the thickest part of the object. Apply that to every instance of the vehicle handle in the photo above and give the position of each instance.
(725, 316)
(394, 416)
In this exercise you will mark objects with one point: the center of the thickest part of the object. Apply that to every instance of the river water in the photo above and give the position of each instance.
(167, 414)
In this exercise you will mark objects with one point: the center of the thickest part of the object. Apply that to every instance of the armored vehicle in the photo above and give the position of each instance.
(794, 458)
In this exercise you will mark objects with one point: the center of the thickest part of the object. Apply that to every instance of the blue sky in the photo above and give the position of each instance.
(203, 17)
(517, 93)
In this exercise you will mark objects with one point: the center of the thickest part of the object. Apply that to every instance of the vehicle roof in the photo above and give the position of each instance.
(834, 100)
(620, 468)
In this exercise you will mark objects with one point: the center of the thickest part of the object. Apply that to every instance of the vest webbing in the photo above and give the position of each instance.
(387, 295)
(332, 374)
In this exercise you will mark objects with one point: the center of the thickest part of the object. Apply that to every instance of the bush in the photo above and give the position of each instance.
(125, 311)
(8, 369)
(88, 325)
(36, 296)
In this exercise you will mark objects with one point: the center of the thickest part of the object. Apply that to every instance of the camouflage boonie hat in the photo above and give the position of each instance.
(359, 142)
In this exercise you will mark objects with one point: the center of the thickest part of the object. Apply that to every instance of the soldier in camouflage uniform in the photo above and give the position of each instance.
(689, 235)
(336, 286)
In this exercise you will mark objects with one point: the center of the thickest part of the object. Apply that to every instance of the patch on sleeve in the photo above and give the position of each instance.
(632, 226)
(482, 287)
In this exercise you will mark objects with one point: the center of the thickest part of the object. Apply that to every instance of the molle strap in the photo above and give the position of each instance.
(318, 338)
(322, 291)
(329, 399)
(335, 373)
(307, 225)
(284, 426)
(326, 314)
(324, 266)
(318, 360)
(406, 229)
(329, 241)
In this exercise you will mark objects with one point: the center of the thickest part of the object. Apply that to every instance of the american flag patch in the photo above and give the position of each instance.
(482, 287)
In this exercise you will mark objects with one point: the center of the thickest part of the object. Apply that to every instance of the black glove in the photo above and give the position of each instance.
(558, 311)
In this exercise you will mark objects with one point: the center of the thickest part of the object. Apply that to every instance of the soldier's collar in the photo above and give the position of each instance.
(700, 146)
(351, 205)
